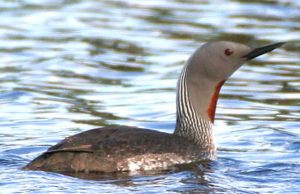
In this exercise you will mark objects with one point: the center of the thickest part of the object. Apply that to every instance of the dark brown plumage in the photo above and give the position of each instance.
(108, 149)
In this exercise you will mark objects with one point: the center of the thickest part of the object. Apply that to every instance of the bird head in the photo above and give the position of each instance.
(219, 60)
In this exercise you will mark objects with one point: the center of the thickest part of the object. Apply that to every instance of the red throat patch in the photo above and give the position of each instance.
(213, 101)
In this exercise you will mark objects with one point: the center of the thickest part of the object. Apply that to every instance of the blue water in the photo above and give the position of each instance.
(70, 66)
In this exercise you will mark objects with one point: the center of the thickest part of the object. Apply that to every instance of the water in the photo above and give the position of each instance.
(69, 66)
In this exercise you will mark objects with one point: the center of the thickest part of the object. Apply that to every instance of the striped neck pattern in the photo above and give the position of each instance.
(189, 123)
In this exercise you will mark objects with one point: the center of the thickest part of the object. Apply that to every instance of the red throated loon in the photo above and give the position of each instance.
(122, 148)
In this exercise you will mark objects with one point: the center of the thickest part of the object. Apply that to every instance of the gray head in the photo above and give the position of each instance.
(208, 68)
(219, 60)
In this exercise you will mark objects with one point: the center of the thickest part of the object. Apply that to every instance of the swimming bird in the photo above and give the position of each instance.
(127, 149)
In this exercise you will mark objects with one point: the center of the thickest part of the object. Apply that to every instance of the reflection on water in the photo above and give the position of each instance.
(69, 66)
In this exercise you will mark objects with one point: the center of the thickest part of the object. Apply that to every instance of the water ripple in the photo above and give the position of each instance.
(68, 66)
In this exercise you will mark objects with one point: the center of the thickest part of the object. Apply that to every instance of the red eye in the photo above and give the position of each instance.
(228, 52)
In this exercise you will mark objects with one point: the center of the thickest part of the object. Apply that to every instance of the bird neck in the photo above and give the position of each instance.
(196, 104)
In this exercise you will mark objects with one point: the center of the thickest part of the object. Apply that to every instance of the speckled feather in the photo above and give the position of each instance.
(121, 148)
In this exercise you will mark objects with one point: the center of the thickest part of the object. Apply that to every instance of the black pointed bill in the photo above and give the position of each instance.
(262, 50)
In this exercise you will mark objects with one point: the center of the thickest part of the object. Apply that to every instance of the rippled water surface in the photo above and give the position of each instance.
(69, 66)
